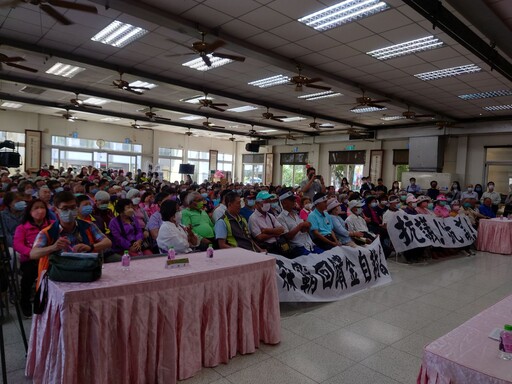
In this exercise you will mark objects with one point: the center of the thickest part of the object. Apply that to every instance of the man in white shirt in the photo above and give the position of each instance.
(493, 195)
(264, 227)
(469, 193)
(394, 208)
(356, 222)
(221, 208)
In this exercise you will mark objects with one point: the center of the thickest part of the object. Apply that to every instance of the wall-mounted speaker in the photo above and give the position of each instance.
(251, 147)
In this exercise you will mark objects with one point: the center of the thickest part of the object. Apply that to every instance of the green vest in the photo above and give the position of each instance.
(238, 232)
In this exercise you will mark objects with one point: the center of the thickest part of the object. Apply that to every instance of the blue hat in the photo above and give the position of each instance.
(264, 195)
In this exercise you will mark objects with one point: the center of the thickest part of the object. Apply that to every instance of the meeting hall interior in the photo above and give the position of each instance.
(333, 177)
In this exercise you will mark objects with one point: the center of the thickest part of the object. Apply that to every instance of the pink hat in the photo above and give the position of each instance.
(441, 198)
(411, 199)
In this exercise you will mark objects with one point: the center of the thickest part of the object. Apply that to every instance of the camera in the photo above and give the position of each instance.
(318, 177)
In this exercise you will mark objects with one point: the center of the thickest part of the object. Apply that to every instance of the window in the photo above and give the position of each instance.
(225, 162)
(253, 168)
(498, 167)
(114, 155)
(293, 167)
(401, 163)
(19, 139)
(169, 160)
(202, 163)
(349, 164)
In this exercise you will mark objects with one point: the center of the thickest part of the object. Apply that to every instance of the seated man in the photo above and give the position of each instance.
(486, 208)
(67, 234)
(232, 230)
(339, 227)
(264, 227)
(357, 223)
(322, 229)
(297, 229)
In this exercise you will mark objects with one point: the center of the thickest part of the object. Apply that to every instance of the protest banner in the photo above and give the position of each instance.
(414, 231)
(332, 275)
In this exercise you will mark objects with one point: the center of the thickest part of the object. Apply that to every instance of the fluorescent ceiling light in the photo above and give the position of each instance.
(498, 107)
(195, 99)
(448, 72)
(118, 34)
(143, 84)
(191, 117)
(267, 130)
(245, 108)
(341, 13)
(95, 101)
(291, 119)
(486, 95)
(8, 104)
(200, 65)
(319, 95)
(367, 109)
(64, 70)
(413, 46)
(110, 119)
(270, 81)
(391, 118)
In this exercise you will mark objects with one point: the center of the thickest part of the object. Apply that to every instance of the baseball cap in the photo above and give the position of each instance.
(411, 199)
(264, 195)
(286, 193)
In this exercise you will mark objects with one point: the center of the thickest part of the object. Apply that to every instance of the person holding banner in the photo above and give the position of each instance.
(322, 227)
(412, 203)
(424, 205)
(441, 210)
(357, 223)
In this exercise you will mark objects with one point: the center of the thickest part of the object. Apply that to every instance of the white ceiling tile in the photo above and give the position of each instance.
(385, 21)
(267, 40)
(265, 18)
(300, 8)
(406, 61)
(410, 13)
(232, 8)
(240, 29)
(293, 31)
(369, 43)
(348, 32)
(318, 42)
(206, 16)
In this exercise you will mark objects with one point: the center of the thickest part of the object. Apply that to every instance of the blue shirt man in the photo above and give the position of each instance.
(321, 224)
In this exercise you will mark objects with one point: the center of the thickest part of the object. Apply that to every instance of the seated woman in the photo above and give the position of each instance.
(424, 205)
(306, 205)
(455, 209)
(35, 218)
(486, 208)
(369, 211)
(411, 204)
(339, 227)
(125, 231)
(441, 209)
(172, 233)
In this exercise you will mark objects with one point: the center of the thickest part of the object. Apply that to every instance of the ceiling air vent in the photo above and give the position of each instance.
(32, 90)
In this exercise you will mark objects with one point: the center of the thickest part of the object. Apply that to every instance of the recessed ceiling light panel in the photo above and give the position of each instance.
(95, 101)
(64, 70)
(200, 65)
(142, 84)
(366, 109)
(267, 130)
(195, 99)
(448, 72)
(319, 95)
(392, 118)
(409, 47)
(292, 119)
(8, 104)
(191, 117)
(110, 118)
(486, 95)
(270, 81)
(495, 108)
(245, 108)
(341, 13)
(118, 34)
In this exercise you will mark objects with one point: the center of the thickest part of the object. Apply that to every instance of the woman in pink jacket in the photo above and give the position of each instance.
(442, 208)
(35, 218)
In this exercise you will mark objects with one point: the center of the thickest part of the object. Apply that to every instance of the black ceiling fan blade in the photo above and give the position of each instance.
(215, 45)
(181, 54)
(312, 80)
(162, 118)
(219, 104)
(217, 108)
(230, 57)
(75, 6)
(318, 87)
(379, 101)
(48, 9)
(217, 126)
(182, 44)
(372, 104)
(90, 106)
(7, 59)
(33, 70)
(206, 60)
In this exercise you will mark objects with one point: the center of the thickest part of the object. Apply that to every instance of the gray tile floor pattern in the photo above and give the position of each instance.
(376, 336)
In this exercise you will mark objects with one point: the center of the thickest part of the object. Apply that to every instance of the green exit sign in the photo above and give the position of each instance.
(350, 147)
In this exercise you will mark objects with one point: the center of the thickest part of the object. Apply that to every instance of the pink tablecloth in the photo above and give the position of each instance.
(495, 235)
(155, 325)
(467, 355)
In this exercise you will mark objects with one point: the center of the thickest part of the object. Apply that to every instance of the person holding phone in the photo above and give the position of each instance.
(313, 184)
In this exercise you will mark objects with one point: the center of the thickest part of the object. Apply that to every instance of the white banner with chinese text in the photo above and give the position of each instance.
(331, 275)
(413, 231)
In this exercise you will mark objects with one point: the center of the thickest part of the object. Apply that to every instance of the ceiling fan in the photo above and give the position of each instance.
(447, 124)
(154, 117)
(11, 62)
(289, 136)
(135, 125)
(47, 7)
(270, 116)
(411, 115)
(205, 50)
(208, 103)
(79, 103)
(299, 81)
(365, 101)
(70, 117)
(125, 86)
(318, 126)
(209, 125)
(232, 138)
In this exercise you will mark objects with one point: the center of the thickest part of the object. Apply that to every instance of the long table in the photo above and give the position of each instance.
(155, 325)
(466, 354)
(495, 236)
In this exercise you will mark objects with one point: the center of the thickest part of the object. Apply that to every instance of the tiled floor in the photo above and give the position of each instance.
(376, 336)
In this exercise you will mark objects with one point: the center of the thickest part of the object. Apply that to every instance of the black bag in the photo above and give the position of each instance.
(41, 296)
(73, 268)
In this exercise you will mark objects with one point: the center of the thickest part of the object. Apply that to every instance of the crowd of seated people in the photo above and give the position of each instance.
(109, 211)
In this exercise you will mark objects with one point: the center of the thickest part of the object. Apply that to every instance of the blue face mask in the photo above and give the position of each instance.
(86, 210)
(275, 205)
(204, 195)
(251, 203)
(373, 205)
(20, 205)
(93, 191)
(58, 189)
(430, 206)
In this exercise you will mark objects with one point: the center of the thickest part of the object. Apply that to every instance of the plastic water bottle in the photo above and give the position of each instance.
(209, 252)
(171, 253)
(125, 261)
(506, 342)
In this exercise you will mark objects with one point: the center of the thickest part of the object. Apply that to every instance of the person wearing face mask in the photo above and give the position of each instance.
(455, 191)
(250, 202)
(413, 187)
(195, 217)
(424, 205)
(356, 223)
(382, 207)
(313, 184)
(221, 207)
(322, 228)
(456, 209)
(148, 203)
(433, 191)
(12, 214)
(339, 226)
(102, 212)
(369, 211)
(493, 195)
(67, 234)
(85, 209)
(264, 226)
(172, 233)
(486, 208)
(470, 210)
(469, 193)
(306, 205)
(479, 190)
(35, 218)
(45, 195)
(395, 188)
(394, 208)
(155, 221)
(125, 231)
(140, 215)
(442, 208)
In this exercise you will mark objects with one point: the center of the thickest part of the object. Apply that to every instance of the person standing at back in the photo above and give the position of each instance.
(493, 195)
(313, 184)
